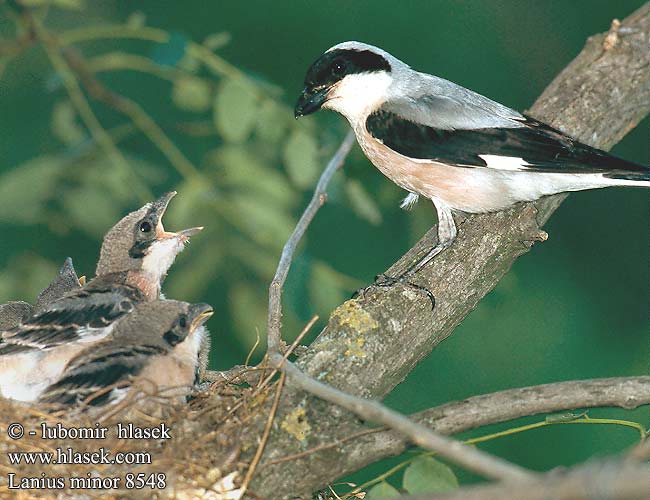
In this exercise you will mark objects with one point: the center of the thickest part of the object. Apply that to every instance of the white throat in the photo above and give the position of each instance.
(187, 352)
(160, 257)
(358, 95)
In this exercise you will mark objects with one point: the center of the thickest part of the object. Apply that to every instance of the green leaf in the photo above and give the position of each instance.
(248, 310)
(362, 203)
(136, 20)
(428, 475)
(327, 288)
(26, 189)
(192, 94)
(382, 490)
(235, 110)
(243, 171)
(301, 158)
(64, 124)
(264, 223)
(273, 121)
(91, 209)
(215, 41)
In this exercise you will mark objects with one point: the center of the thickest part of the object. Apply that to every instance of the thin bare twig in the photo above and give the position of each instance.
(318, 199)
(470, 458)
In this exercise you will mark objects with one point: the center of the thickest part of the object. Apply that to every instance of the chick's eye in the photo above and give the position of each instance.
(145, 227)
(338, 68)
(182, 322)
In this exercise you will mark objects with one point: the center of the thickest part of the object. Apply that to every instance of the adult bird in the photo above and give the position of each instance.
(459, 149)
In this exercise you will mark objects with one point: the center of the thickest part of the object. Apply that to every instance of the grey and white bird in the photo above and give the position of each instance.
(459, 149)
(134, 259)
(154, 350)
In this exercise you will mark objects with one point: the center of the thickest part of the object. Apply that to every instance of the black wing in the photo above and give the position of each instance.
(81, 314)
(544, 148)
(86, 375)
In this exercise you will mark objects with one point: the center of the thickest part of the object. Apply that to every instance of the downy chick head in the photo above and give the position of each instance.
(140, 243)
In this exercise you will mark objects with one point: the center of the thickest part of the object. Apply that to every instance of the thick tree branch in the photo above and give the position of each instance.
(459, 416)
(600, 96)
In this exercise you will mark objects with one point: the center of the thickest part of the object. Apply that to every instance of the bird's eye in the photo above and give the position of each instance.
(338, 68)
(182, 322)
(145, 227)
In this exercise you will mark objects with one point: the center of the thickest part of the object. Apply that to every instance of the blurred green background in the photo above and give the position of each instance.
(219, 79)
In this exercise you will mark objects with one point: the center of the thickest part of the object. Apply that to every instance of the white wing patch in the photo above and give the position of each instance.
(410, 201)
(505, 162)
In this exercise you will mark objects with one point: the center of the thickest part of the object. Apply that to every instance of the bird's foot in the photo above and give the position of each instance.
(385, 281)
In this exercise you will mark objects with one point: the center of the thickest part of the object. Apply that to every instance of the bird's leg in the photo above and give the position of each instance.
(446, 235)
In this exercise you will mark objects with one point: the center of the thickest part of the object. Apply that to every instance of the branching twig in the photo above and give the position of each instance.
(318, 199)
(136, 114)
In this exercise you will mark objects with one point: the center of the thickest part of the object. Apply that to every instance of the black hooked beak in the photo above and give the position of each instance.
(310, 101)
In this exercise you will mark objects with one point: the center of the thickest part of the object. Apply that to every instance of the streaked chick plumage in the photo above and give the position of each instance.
(134, 259)
(155, 350)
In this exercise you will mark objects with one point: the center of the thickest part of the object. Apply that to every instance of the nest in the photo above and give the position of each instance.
(201, 459)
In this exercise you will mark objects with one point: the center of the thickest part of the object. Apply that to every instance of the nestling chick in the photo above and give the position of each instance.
(14, 313)
(153, 350)
(140, 246)
(135, 257)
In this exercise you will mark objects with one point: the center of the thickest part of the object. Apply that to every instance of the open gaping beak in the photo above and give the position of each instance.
(199, 314)
(160, 206)
(310, 101)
